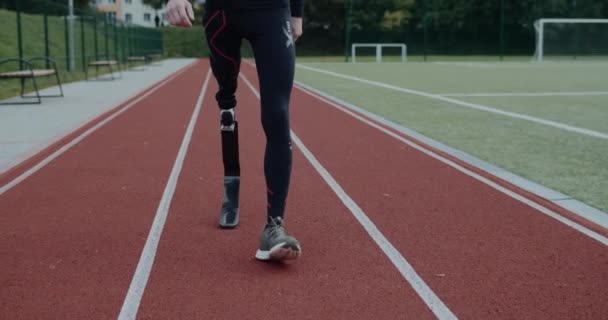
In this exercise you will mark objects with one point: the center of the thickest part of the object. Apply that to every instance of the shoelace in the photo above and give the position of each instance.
(275, 228)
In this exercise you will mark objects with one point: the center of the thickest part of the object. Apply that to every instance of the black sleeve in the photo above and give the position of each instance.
(297, 6)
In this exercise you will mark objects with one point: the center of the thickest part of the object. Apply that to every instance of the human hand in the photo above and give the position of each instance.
(296, 27)
(180, 13)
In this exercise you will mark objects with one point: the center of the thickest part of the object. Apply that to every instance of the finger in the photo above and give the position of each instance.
(190, 11)
(172, 18)
(295, 33)
(183, 17)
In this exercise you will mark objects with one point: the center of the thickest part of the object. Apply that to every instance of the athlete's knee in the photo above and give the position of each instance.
(226, 94)
(277, 132)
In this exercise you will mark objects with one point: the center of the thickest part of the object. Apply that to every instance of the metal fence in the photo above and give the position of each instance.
(71, 38)
(460, 28)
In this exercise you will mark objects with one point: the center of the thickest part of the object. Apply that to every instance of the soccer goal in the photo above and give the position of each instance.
(571, 39)
(378, 50)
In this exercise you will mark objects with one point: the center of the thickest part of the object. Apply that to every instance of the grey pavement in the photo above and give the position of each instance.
(27, 129)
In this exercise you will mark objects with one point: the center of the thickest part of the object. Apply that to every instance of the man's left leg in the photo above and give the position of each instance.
(274, 54)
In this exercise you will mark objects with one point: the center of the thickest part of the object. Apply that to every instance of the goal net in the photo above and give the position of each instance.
(379, 52)
(571, 39)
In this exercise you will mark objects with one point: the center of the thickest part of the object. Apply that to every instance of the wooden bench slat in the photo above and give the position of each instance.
(103, 63)
(27, 73)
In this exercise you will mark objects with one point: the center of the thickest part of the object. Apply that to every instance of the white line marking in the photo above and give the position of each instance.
(523, 64)
(403, 266)
(582, 229)
(527, 94)
(144, 266)
(554, 124)
(467, 64)
(85, 134)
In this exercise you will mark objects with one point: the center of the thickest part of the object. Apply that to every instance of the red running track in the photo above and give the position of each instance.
(73, 232)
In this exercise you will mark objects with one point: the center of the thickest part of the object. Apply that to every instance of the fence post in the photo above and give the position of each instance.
(349, 12)
(502, 30)
(161, 43)
(106, 40)
(137, 41)
(82, 44)
(134, 48)
(67, 45)
(115, 42)
(47, 52)
(71, 52)
(123, 34)
(19, 34)
(129, 40)
(95, 37)
(426, 35)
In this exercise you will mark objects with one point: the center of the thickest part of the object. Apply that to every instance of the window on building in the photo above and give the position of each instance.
(147, 17)
(128, 18)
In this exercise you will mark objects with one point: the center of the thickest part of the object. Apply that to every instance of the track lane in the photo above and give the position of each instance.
(28, 166)
(202, 272)
(73, 231)
(484, 254)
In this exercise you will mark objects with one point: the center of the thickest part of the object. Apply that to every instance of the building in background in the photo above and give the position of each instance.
(132, 12)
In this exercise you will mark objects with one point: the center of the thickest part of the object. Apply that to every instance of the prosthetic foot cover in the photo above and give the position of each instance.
(229, 216)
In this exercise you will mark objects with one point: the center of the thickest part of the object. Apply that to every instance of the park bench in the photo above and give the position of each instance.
(134, 59)
(152, 57)
(103, 61)
(27, 71)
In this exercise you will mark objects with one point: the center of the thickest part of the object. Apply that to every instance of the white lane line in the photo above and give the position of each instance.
(528, 94)
(523, 64)
(554, 124)
(144, 266)
(468, 64)
(85, 134)
(403, 266)
(578, 227)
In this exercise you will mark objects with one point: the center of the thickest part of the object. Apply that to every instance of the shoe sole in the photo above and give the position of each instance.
(280, 252)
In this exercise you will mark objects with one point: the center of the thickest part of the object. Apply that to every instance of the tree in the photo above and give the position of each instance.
(387, 14)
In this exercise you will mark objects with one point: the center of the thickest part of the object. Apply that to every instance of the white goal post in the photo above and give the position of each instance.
(540, 27)
(379, 47)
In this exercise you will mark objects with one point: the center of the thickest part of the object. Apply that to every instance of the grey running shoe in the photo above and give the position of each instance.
(275, 244)
(229, 216)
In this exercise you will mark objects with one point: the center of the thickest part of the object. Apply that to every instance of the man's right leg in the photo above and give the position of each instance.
(225, 56)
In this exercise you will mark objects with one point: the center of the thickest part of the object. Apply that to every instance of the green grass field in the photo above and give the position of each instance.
(573, 163)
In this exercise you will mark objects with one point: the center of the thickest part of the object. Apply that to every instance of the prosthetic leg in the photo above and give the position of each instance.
(229, 216)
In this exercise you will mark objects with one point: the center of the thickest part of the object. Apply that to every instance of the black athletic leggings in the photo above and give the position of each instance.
(269, 32)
